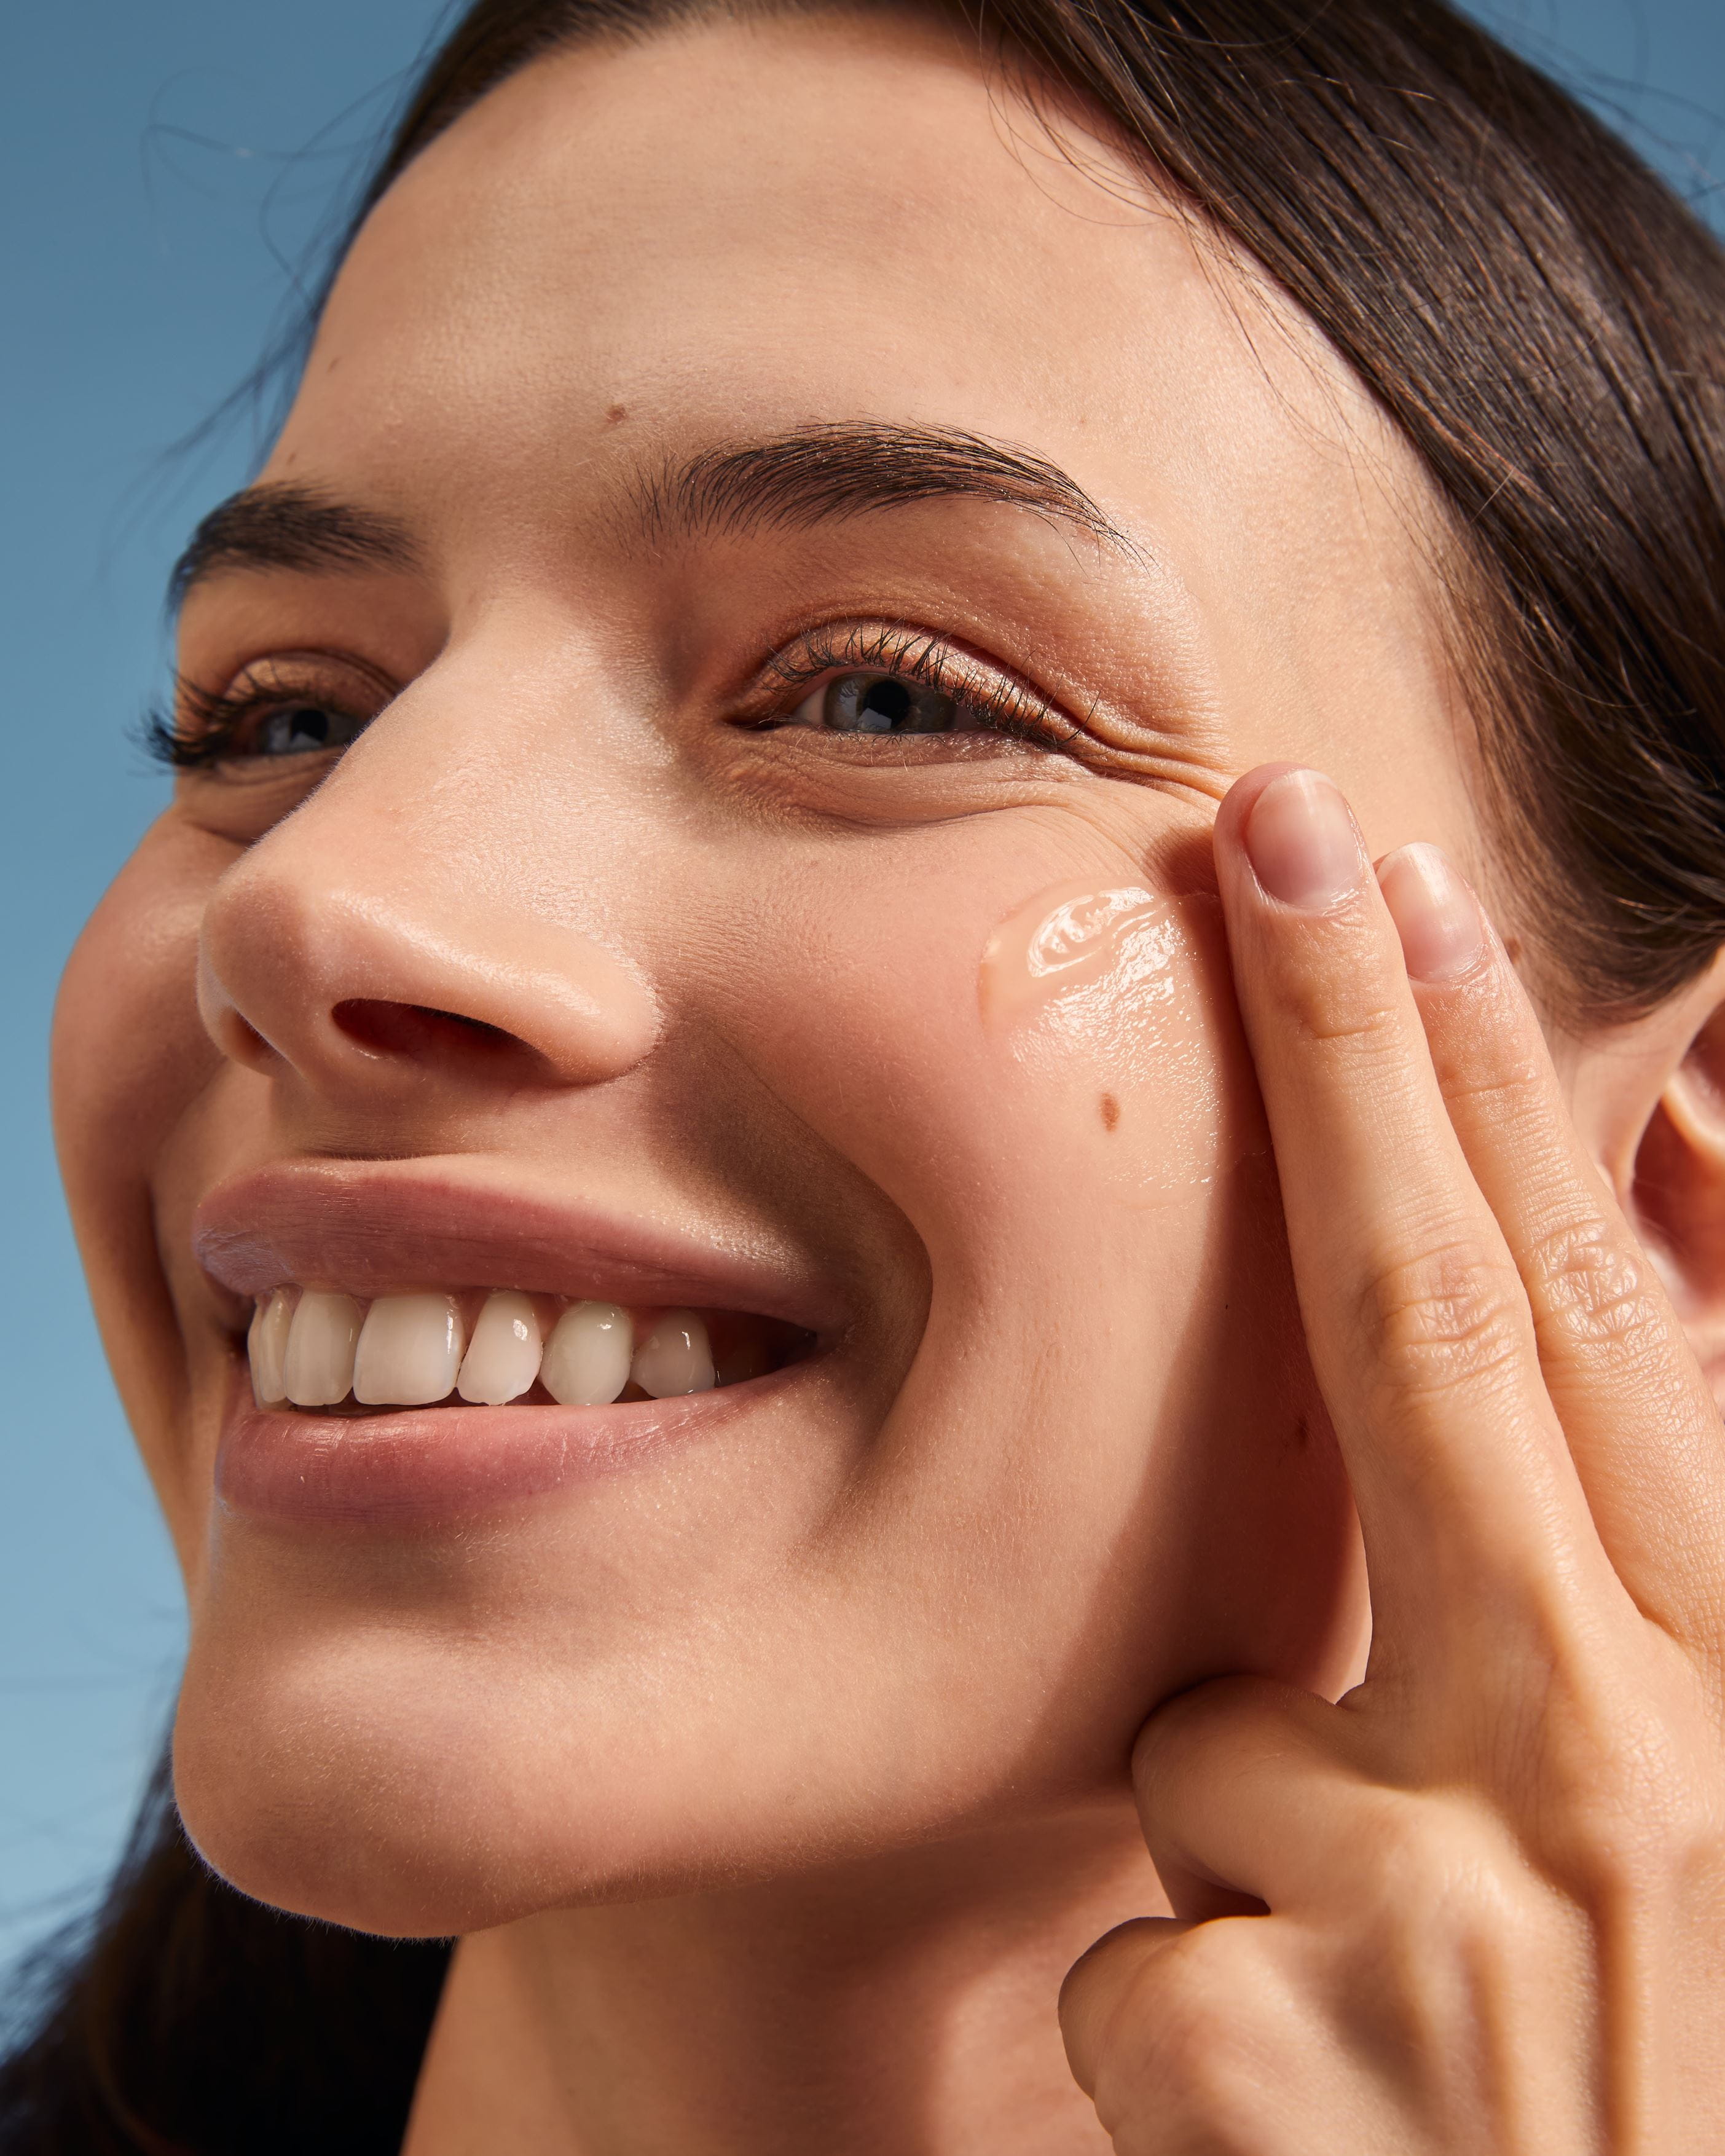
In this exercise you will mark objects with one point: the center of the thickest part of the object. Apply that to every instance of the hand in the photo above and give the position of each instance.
(1478, 1904)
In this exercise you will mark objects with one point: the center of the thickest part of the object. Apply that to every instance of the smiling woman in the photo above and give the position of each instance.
(825, 1296)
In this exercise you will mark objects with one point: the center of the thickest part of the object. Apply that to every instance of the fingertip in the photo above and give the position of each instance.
(1440, 921)
(1241, 798)
(1298, 837)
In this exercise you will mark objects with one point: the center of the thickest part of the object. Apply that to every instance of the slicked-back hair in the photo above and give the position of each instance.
(1544, 323)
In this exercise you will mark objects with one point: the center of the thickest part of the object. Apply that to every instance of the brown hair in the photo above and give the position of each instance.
(1543, 321)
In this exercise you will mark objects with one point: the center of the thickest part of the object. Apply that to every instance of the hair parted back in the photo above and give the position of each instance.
(1545, 323)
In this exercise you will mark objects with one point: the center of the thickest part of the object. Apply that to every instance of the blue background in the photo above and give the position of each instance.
(166, 167)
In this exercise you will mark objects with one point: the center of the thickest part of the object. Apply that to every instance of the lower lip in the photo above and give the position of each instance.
(424, 1466)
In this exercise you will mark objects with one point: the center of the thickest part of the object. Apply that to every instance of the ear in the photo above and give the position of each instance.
(1649, 1099)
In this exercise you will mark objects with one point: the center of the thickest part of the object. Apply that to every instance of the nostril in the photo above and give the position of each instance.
(418, 1033)
(244, 1043)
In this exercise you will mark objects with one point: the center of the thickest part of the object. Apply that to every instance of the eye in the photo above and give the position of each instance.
(873, 703)
(297, 729)
(889, 680)
(292, 705)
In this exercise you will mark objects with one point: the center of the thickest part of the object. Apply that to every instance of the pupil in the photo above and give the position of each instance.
(307, 724)
(891, 698)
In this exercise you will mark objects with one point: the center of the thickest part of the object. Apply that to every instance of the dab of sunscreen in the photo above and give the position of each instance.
(1122, 1003)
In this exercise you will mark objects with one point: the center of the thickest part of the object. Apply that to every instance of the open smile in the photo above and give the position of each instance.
(320, 1349)
(372, 1395)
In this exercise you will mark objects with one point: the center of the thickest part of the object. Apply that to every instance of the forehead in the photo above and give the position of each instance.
(754, 225)
(628, 252)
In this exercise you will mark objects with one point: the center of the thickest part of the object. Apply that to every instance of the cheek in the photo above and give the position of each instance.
(1098, 1452)
(1066, 1150)
(129, 1051)
(129, 1058)
(1000, 1068)
(1116, 1007)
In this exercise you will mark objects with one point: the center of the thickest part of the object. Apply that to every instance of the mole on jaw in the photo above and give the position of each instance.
(316, 1347)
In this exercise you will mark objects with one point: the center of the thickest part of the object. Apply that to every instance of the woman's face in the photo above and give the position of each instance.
(812, 550)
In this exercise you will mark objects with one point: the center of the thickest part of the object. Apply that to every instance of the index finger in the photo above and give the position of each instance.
(1416, 1320)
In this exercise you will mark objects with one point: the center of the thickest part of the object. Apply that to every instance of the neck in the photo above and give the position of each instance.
(906, 2004)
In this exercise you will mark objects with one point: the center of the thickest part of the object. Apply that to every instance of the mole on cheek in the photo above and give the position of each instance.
(1122, 986)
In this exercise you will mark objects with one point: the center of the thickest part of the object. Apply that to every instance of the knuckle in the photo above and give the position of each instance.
(1595, 1293)
(1451, 1315)
(1451, 1919)
(1335, 1007)
(1183, 2043)
(1331, 982)
(1441, 1861)
(1608, 1796)
(1625, 1813)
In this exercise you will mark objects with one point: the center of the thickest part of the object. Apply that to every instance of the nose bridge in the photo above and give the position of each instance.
(421, 878)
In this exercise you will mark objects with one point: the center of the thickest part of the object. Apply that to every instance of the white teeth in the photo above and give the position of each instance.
(587, 1358)
(266, 1345)
(675, 1356)
(317, 1369)
(504, 1359)
(409, 1350)
(314, 1346)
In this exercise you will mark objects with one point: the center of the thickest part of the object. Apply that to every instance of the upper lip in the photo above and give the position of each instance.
(376, 1227)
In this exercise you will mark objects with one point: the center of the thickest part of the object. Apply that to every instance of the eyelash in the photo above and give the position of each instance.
(1004, 706)
(201, 732)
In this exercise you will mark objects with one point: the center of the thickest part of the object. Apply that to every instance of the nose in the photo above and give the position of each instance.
(350, 951)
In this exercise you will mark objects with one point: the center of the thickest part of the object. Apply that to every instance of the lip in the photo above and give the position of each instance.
(424, 1466)
(379, 1227)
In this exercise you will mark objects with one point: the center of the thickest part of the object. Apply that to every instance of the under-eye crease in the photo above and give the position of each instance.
(983, 692)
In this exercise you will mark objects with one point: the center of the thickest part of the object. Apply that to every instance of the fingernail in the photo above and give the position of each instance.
(1436, 915)
(1302, 842)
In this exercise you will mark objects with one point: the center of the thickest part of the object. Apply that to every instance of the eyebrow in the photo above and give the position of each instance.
(811, 475)
(282, 526)
(816, 474)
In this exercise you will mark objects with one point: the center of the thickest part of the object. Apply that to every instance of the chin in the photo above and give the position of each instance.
(388, 1781)
(409, 1801)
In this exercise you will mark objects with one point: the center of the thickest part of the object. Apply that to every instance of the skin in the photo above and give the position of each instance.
(775, 1782)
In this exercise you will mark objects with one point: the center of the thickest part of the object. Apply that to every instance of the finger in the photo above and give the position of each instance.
(1099, 1989)
(1633, 1404)
(1206, 2037)
(1415, 1318)
(1249, 1793)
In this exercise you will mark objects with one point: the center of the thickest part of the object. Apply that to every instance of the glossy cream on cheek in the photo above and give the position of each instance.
(1121, 1004)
